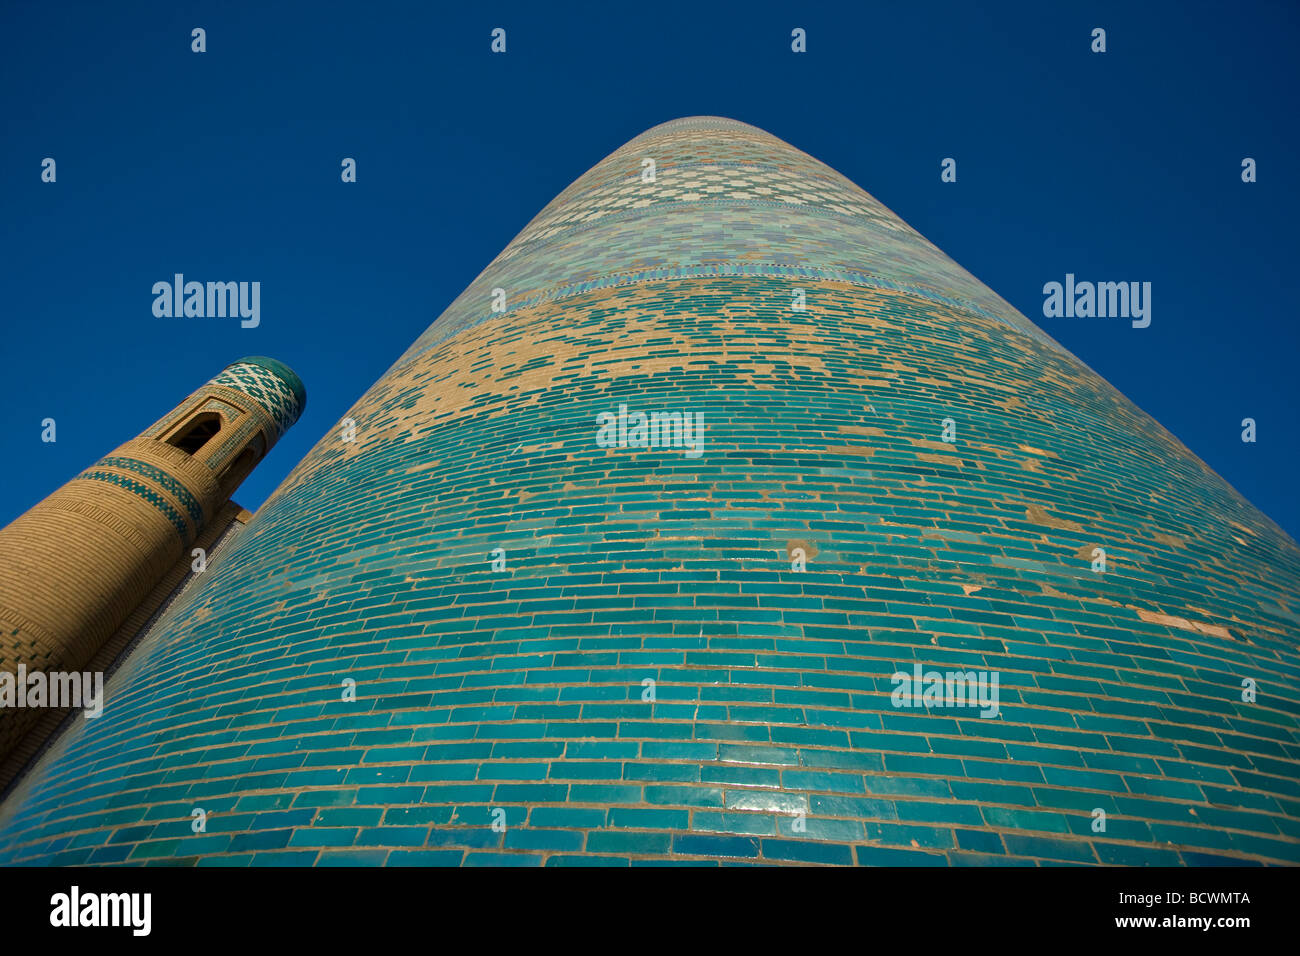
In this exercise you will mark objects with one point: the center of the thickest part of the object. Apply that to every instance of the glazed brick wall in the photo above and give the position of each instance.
(520, 691)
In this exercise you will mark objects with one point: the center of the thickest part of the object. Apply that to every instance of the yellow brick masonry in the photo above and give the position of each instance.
(45, 723)
(83, 569)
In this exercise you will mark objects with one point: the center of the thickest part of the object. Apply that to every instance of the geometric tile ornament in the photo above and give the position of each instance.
(270, 386)
(649, 677)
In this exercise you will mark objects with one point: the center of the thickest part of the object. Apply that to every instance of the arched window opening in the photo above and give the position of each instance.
(196, 433)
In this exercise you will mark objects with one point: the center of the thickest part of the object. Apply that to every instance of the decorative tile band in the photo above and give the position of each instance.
(145, 492)
(162, 478)
(279, 397)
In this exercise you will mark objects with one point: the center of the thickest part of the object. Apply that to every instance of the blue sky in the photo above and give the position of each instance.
(225, 165)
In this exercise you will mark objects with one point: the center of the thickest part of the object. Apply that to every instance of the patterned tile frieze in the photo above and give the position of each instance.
(161, 478)
(268, 389)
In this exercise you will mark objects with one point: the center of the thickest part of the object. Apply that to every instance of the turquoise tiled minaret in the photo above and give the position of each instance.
(469, 629)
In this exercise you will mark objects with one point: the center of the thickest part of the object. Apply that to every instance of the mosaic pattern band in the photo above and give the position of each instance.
(160, 478)
(501, 586)
(143, 491)
(269, 386)
(742, 201)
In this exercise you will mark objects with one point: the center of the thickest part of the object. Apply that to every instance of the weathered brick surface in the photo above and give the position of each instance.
(516, 695)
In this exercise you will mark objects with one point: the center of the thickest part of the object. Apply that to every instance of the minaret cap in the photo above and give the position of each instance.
(272, 384)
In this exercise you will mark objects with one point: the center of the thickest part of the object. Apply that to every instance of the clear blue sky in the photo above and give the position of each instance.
(225, 166)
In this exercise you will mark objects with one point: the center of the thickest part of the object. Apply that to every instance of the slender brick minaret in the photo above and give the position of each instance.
(76, 567)
(519, 607)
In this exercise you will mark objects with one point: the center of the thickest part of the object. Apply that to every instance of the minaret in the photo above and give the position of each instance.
(78, 565)
(623, 559)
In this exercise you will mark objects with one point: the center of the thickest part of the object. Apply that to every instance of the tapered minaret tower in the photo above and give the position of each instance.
(632, 554)
(81, 571)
